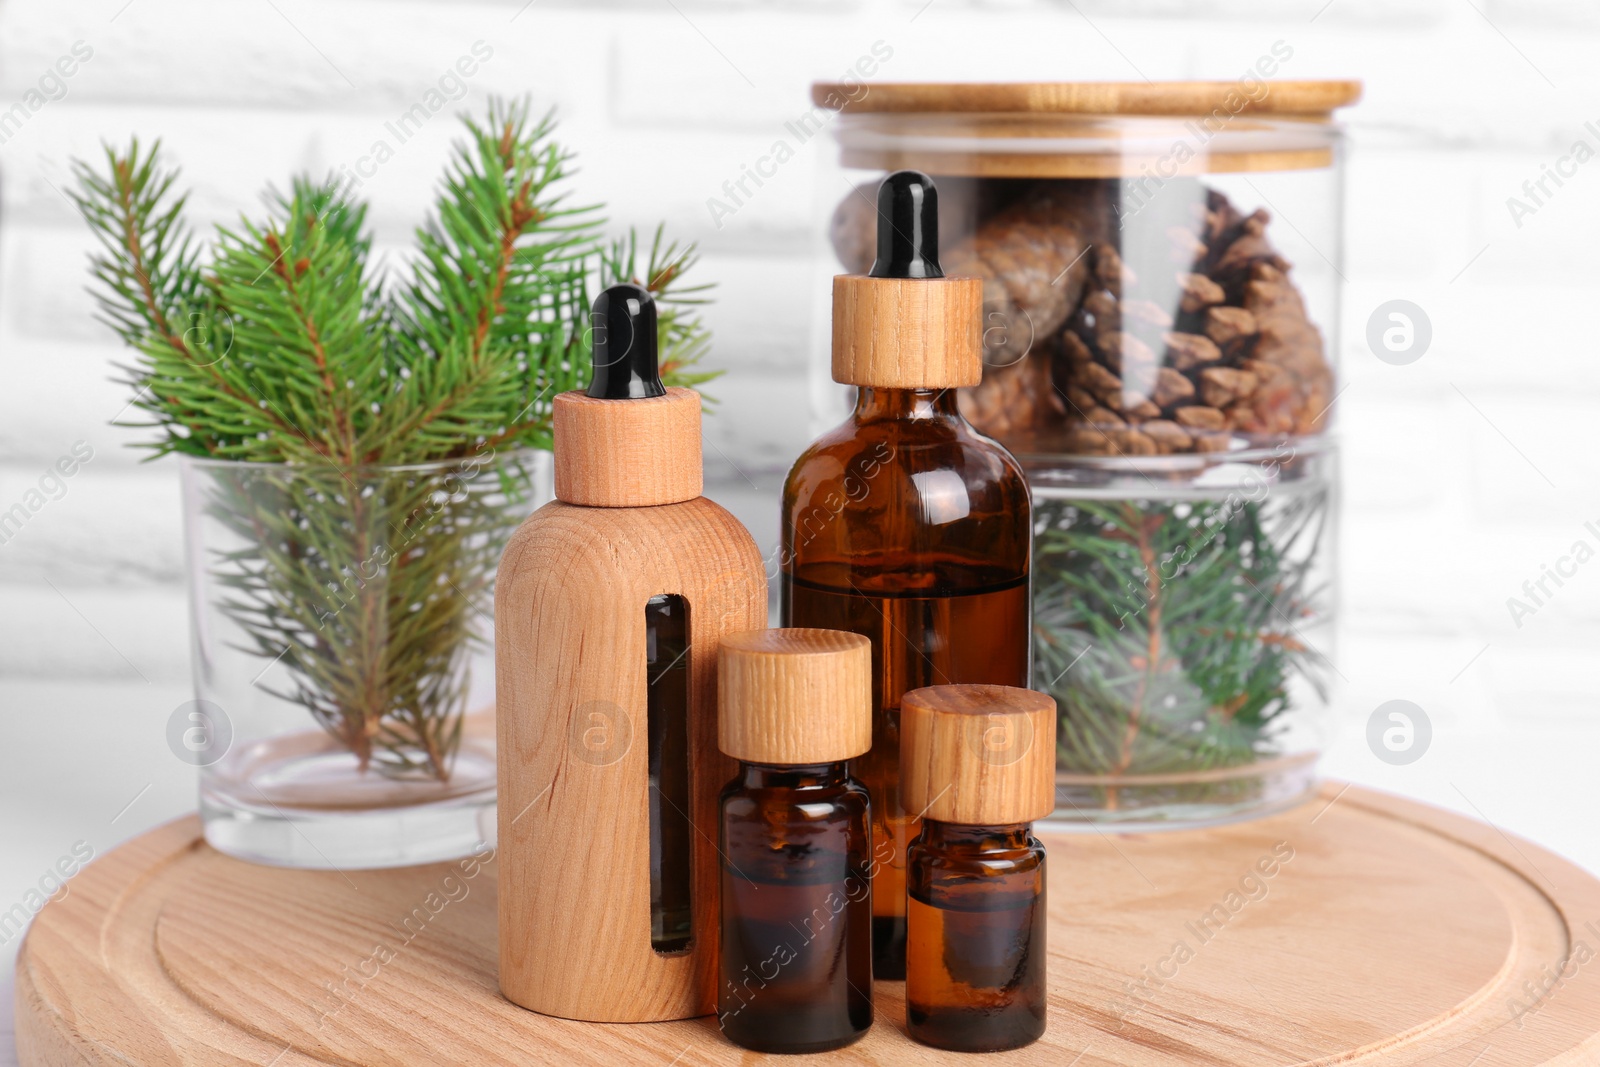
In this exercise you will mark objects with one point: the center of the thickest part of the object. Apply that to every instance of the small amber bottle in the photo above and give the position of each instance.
(794, 706)
(979, 761)
(904, 523)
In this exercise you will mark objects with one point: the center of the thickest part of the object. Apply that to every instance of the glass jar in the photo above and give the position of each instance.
(344, 670)
(1161, 291)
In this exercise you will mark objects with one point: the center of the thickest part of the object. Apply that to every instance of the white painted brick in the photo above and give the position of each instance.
(1443, 579)
(1387, 445)
(130, 633)
(1545, 680)
(1340, 12)
(351, 55)
(1374, 674)
(1528, 454)
(56, 393)
(1555, 237)
(1404, 210)
(646, 177)
(1471, 89)
(1563, 15)
(1532, 782)
(759, 426)
(102, 527)
(760, 319)
(224, 168)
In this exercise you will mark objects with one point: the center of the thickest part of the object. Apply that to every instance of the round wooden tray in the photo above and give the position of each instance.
(1357, 929)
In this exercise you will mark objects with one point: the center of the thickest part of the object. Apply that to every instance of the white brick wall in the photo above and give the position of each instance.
(1443, 518)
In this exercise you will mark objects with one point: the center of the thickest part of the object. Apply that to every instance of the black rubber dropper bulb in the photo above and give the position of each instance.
(908, 227)
(623, 324)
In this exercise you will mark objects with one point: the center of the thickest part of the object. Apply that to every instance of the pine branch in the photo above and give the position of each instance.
(1170, 628)
(683, 339)
(487, 324)
(287, 350)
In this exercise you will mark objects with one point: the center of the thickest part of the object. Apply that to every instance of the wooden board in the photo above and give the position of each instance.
(1386, 932)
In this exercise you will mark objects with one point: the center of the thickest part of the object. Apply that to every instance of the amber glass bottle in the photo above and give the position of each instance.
(796, 964)
(905, 524)
(981, 760)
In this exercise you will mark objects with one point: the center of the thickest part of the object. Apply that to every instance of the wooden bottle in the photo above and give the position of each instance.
(600, 721)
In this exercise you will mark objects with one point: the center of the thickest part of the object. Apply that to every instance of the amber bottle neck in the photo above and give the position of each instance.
(799, 776)
(874, 404)
(951, 837)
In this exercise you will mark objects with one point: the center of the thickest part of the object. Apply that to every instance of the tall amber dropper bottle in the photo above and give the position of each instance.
(904, 523)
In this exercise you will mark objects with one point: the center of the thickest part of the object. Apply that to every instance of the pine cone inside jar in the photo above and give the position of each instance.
(1235, 357)
(1208, 342)
(1027, 240)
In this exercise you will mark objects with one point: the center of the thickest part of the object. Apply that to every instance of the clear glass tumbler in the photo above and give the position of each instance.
(344, 671)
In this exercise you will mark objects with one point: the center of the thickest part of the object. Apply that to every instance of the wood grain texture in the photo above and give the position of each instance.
(907, 333)
(573, 789)
(978, 163)
(795, 696)
(978, 755)
(627, 453)
(1092, 98)
(1393, 934)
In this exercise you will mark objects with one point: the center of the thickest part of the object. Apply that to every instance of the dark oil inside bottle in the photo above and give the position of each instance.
(908, 526)
(976, 967)
(796, 966)
(917, 641)
(667, 729)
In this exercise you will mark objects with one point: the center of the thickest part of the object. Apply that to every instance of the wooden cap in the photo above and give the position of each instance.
(1264, 97)
(794, 696)
(627, 453)
(978, 755)
(907, 333)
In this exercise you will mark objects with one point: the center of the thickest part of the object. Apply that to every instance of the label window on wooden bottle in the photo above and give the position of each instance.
(667, 730)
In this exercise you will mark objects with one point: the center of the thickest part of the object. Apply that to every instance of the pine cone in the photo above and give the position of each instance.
(1237, 356)
(1073, 339)
(1031, 258)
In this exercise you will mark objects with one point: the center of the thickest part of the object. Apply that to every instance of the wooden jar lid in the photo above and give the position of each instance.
(907, 333)
(978, 755)
(1304, 98)
(794, 696)
(1074, 129)
(627, 453)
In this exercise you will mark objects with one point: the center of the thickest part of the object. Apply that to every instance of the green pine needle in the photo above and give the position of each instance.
(280, 343)
(1169, 633)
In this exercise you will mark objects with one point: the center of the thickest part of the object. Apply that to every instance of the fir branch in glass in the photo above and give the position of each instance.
(378, 423)
(1169, 632)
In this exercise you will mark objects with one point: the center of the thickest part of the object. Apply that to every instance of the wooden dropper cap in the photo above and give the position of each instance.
(789, 697)
(627, 442)
(978, 755)
(904, 325)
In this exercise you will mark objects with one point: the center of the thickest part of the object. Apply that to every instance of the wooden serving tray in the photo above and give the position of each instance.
(1386, 932)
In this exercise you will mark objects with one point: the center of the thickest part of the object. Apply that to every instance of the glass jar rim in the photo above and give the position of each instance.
(428, 466)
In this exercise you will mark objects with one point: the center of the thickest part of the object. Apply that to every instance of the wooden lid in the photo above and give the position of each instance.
(907, 333)
(627, 453)
(978, 755)
(1078, 129)
(794, 696)
(1264, 97)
